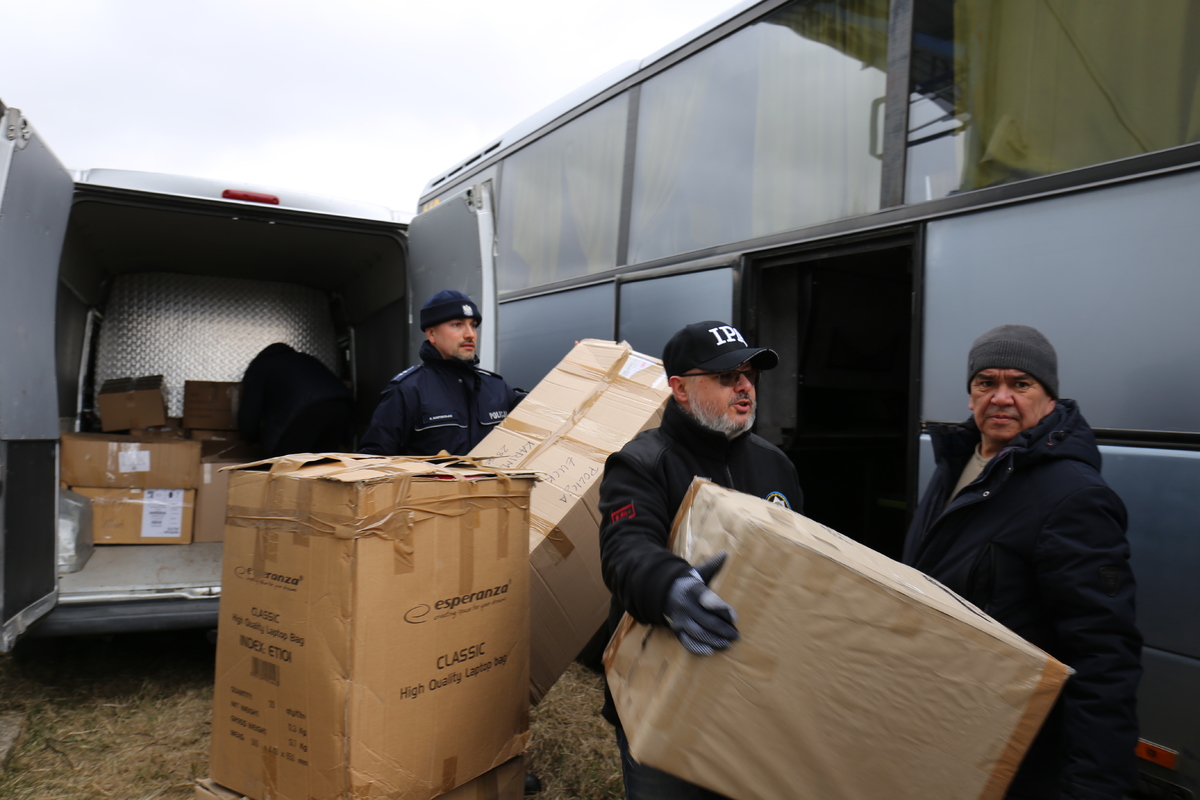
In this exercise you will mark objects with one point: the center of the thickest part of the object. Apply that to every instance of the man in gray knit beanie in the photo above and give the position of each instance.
(1015, 347)
(1018, 520)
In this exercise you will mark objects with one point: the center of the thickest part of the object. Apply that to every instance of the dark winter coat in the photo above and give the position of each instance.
(1038, 542)
(279, 385)
(643, 486)
(440, 404)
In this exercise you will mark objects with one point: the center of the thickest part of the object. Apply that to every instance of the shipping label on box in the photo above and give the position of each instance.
(125, 403)
(854, 675)
(124, 462)
(600, 396)
(374, 627)
(140, 516)
(211, 405)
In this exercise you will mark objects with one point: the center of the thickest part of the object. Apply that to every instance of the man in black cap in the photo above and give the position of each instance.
(1017, 520)
(705, 432)
(445, 403)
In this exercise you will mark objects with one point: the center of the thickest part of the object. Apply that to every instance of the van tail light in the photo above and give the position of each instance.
(250, 197)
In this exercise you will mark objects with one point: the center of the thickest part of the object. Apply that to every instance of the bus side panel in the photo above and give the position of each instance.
(1109, 275)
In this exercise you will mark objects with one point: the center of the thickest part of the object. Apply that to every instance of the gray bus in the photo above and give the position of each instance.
(865, 186)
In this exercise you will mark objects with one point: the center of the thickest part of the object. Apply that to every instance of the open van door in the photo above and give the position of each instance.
(450, 246)
(35, 201)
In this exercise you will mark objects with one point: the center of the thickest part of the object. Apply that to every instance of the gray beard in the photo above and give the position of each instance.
(716, 421)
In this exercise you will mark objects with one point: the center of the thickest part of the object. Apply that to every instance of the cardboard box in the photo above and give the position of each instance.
(211, 405)
(598, 398)
(505, 782)
(226, 445)
(374, 628)
(211, 498)
(855, 676)
(172, 430)
(140, 516)
(125, 403)
(124, 462)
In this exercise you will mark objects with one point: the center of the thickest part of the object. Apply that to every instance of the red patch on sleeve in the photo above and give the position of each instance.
(623, 513)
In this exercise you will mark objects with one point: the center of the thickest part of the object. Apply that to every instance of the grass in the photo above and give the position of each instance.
(130, 717)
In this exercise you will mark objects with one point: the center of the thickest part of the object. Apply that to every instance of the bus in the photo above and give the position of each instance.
(865, 186)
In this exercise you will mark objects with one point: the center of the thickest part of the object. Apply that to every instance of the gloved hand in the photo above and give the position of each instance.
(703, 621)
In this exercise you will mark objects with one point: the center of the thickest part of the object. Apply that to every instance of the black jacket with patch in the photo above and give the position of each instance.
(643, 486)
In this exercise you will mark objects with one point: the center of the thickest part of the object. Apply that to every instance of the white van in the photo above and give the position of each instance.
(110, 274)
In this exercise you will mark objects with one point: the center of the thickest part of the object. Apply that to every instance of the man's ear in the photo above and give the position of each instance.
(679, 389)
(429, 335)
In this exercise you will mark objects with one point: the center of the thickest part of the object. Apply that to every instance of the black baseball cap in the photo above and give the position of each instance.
(713, 346)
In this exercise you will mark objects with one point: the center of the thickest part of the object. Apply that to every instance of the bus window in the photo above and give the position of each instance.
(536, 332)
(1005, 91)
(560, 199)
(772, 128)
(652, 310)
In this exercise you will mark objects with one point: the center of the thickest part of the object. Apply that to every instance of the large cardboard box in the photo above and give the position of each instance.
(211, 405)
(600, 396)
(124, 462)
(374, 630)
(125, 403)
(211, 497)
(505, 782)
(140, 516)
(855, 676)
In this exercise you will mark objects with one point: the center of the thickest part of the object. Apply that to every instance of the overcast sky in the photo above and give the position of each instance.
(365, 99)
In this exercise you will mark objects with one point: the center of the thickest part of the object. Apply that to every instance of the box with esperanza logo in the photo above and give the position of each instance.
(374, 629)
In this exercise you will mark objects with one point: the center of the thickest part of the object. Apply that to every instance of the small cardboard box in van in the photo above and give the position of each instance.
(374, 627)
(125, 403)
(125, 462)
(140, 516)
(211, 405)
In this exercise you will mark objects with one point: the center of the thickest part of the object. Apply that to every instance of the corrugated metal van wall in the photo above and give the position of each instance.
(188, 327)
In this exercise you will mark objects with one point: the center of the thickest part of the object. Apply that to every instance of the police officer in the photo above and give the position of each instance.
(446, 402)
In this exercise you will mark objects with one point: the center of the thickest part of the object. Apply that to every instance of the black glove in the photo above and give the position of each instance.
(703, 621)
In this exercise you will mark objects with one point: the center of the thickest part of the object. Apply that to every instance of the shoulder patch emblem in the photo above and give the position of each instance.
(778, 499)
(626, 512)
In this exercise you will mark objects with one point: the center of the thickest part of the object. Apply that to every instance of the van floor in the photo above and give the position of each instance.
(145, 567)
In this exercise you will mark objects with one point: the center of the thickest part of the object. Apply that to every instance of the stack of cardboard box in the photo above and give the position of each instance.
(161, 482)
(374, 630)
(142, 492)
(596, 399)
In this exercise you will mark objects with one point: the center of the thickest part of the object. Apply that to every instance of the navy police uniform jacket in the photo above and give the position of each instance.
(643, 486)
(440, 404)
(1038, 542)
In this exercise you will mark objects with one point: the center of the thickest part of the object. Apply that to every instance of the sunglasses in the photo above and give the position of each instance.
(730, 378)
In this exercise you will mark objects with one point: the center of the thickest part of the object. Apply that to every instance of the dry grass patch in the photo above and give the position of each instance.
(572, 748)
(123, 717)
(129, 717)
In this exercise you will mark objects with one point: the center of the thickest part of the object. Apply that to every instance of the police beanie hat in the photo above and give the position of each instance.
(447, 305)
(1015, 347)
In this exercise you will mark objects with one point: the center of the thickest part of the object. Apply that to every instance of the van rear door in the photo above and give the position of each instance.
(450, 247)
(35, 201)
